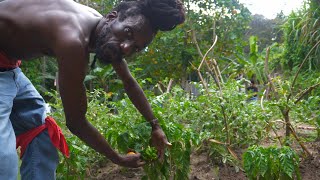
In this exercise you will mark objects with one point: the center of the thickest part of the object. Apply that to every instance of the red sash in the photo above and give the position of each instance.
(55, 134)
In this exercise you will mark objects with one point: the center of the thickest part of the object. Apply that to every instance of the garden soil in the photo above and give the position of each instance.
(203, 169)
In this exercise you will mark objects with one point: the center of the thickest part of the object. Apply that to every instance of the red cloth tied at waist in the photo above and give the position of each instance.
(55, 134)
(6, 62)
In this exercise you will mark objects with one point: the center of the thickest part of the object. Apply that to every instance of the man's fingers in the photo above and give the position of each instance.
(138, 161)
(161, 149)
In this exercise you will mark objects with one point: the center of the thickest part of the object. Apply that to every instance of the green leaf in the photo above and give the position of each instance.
(123, 142)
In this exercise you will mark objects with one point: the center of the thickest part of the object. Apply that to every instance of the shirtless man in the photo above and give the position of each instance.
(70, 31)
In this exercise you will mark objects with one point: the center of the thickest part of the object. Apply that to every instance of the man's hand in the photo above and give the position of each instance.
(130, 160)
(159, 141)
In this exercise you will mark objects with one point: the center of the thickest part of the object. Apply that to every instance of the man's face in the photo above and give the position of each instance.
(122, 39)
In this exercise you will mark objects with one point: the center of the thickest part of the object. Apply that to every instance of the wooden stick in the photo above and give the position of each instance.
(169, 85)
(205, 55)
(300, 96)
(298, 140)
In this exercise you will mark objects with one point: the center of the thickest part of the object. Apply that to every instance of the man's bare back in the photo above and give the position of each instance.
(33, 28)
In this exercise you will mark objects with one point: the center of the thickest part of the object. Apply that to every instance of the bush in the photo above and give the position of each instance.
(271, 163)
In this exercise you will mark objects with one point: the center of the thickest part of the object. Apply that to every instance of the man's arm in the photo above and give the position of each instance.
(72, 60)
(138, 98)
(133, 90)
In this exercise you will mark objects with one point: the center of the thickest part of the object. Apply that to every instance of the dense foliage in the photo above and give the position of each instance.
(302, 31)
(271, 163)
(189, 122)
(205, 108)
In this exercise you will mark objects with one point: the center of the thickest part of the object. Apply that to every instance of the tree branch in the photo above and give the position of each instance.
(307, 91)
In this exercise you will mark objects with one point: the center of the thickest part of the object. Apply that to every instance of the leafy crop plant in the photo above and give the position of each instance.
(266, 163)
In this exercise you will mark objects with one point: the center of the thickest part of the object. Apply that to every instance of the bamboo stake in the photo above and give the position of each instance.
(196, 43)
(204, 83)
(221, 94)
(205, 55)
(169, 85)
(218, 69)
(216, 75)
(202, 80)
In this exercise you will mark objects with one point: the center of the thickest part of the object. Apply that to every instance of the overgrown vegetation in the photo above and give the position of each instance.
(196, 78)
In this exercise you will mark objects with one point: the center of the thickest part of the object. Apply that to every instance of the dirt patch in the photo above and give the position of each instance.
(114, 172)
(203, 169)
(310, 167)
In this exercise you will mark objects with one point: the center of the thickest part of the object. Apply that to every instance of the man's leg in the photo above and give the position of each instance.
(40, 160)
(8, 153)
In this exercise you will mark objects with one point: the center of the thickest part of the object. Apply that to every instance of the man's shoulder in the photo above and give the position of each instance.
(91, 11)
(81, 20)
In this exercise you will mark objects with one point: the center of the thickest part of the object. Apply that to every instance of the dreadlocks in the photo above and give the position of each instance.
(164, 15)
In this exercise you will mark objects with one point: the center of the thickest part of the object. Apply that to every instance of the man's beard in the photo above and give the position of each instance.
(107, 50)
